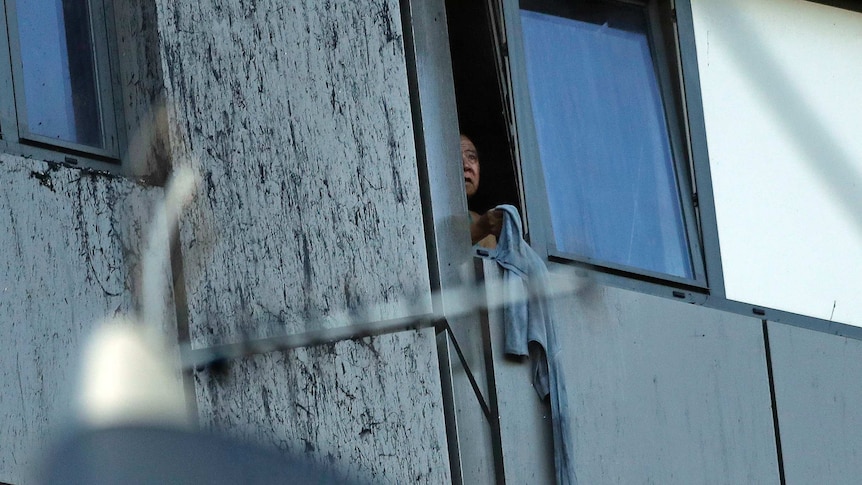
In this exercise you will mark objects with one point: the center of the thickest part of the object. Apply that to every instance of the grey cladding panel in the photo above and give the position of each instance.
(819, 403)
(666, 392)
(659, 392)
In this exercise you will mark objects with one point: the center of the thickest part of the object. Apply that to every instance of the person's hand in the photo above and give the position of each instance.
(488, 224)
(492, 222)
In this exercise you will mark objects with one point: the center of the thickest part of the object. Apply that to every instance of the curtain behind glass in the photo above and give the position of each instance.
(603, 142)
(60, 88)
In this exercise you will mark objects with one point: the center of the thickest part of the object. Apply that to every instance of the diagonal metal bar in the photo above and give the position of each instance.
(470, 376)
(459, 302)
(192, 358)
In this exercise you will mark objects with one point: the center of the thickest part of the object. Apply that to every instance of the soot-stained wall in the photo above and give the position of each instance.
(68, 259)
(70, 248)
(297, 116)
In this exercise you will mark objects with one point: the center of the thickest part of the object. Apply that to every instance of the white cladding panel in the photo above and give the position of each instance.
(782, 105)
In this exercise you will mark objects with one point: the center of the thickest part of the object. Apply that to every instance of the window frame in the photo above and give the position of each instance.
(436, 133)
(15, 136)
(679, 88)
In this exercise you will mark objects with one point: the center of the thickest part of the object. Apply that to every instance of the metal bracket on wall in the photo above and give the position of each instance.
(485, 409)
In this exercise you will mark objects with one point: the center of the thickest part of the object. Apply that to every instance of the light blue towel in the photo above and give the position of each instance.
(530, 330)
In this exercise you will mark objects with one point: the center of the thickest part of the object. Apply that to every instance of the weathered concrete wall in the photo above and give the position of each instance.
(659, 391)
(297, 114)
(368, 407)
(68, 254)
(298, 117)
(141, 89)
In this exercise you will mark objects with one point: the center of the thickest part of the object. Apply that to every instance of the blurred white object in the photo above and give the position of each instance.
(128, 375)
(129, 378)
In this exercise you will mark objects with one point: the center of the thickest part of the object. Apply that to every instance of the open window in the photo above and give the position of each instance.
(481, 92)
(586, 98)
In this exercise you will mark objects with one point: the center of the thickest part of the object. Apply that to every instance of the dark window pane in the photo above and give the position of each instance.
(60, 88)
(603, 140)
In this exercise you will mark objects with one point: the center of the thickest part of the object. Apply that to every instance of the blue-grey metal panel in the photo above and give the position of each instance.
(819, 404)
(659, 391)
(444, 207)
(525, 426)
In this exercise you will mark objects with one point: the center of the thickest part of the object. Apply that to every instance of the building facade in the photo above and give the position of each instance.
(326, 137)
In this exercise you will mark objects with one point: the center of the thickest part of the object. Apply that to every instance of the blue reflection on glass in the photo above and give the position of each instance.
(60, 88)
(603, 143)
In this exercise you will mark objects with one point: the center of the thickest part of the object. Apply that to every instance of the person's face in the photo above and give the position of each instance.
(470, 161)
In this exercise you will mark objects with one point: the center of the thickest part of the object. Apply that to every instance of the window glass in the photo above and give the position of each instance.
(60, 87)
(603, 139)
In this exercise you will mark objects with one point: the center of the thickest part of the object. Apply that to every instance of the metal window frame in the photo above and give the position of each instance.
(665, 64)
(689, 181)
(698, 150)
(435, 125)
(16, 136)
(451, 264)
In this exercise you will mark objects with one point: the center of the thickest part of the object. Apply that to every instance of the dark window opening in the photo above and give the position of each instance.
(481, 105)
